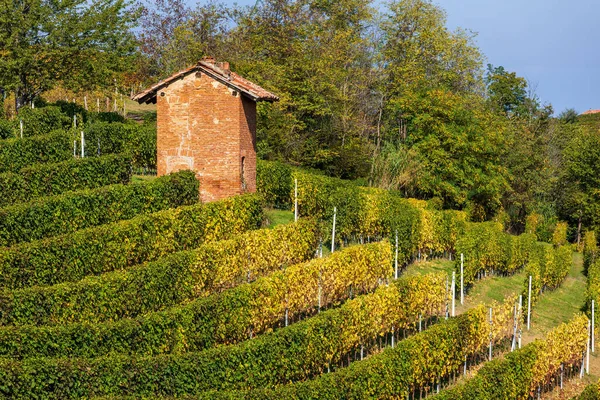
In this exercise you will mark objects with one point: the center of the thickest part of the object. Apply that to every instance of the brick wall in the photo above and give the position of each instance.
(205, 126)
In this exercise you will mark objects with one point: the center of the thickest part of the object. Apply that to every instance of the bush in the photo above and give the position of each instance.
(275, 183)
(106, 116)
(42, 121)
(590, 250)
(71, 109)
(49, 179)
(166, 282)
(72, 211)
(559, 237)
(139, 141)
(591, 392)
(16, 154)
(109, 247)
(548, 268)
(7, 129)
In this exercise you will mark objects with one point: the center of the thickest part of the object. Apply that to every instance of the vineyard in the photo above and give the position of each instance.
(114, 286)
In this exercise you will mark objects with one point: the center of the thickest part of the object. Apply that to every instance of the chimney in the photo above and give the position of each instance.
(224, 66)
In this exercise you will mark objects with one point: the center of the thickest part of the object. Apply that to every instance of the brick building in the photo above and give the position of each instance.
(206, 122)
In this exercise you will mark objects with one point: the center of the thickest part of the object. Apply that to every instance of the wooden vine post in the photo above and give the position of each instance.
(462, 286)
(529, 305)
(333, 230)
(491, 333)
(593, 327)
(453, 291)
(396, 258)
(295, 199)
(82, 145)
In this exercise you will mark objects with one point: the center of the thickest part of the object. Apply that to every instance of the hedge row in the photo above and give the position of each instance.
(363, 213)
(519, 374)
(139, 141)
(49, 179)
(548, 268)
(72, 211)
(36, 121)
(164, 283)
(16, 154)
(224, 318)
(109, 247)
(590, 250)
(415, 363)
(487, 248)
(591, 392)
(592, 265)
(297, 352)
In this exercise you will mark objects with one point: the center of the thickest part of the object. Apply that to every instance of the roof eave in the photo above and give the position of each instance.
(149, 95)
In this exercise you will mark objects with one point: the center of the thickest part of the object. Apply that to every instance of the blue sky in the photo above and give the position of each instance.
(554, 44)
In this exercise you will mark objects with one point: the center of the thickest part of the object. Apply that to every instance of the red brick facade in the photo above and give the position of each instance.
(209, 126)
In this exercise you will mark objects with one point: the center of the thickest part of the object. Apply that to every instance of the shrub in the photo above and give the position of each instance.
(364, 213)
(16, 154)
(559, 237)
(48, 179)
(72, 211)
(590, 250)
(548, 268)
(42, 121)
(92, 251)
(274, 181)
(7, 129)
(139, 141)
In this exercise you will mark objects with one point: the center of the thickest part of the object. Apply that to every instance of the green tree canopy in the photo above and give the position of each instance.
(75, 43)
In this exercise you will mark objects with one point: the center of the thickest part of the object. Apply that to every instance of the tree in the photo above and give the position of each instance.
(568, 116)
(506, 91)
(75, 43)
(174, 36)
(316, 56)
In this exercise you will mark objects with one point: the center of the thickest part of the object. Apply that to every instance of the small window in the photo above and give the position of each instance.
(244, 186)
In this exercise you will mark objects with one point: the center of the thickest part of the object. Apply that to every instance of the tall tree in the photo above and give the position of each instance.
(69, 42)
(316, 56)
(174, 35)
(507, 92)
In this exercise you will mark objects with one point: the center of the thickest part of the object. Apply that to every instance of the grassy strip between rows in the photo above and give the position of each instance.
(519, 374)
(163, 283)
(299, 351)
(109, 247)
(487, 248)
(72, 211)
(50, 179)
(223, 318)
(16, 154)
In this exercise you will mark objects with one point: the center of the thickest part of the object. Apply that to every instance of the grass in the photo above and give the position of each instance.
(142, 178)
(427, 267)
(559, 305)
(278, 217)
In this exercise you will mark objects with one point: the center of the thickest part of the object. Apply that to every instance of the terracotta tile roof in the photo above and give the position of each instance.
(219, 72)
(591, 112)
